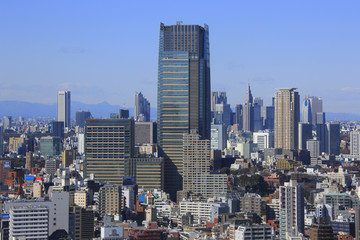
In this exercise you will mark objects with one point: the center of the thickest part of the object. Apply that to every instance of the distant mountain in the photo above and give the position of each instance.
(34, 110)
(330, 116)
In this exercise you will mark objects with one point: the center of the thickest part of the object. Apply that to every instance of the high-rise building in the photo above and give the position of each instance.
(218, 137)
(183, 94)
(7, 121)
(354, 143)
(316, 106)
(145, 133)
(264, 139)
(148, 172)
(305, 133)
(239, 115)
(267, 115)
(108, 143)
(29, 160)
(123, 114)
(333, 137)
(218, 98)
(29, 222)
(306, 111)
(57, 129)
(81, 116)
(63, 107)
(1, 141)
(50, 146)
(81, 223)
(141, 108)
(196, 159)
(291, 209)
(248, 111)
(258, 121)
(313, 146)
(287, 115)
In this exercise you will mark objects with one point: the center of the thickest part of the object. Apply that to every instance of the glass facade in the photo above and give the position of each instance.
(183, 94)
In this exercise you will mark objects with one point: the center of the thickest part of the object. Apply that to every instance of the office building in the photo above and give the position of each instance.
(7, 122)
(313, 146)
(141, 108)
(68, 157)
(109, 200)
(81, 198)
(63, 108)
(108, 143)
(57, 205)
(258, 121)
(305, 133)
(222, 114)
(29, 222)
(307, 114)
(316, 106)
(267, 115)
(123, 114)
(248, 111)
(354, 143)
(218, 98)
(196, 158)
(291, 209)
(333, 141)
(50, 146)
(81, 223)
(51, 165)
(183, 94)
(145, 133)
(81, 116)
(287, 114)
(218, 137)
(264, 139)
(57, 129)
(250, 232)
(1, 141)
(239, 115)
(321, 231)
(148, 172)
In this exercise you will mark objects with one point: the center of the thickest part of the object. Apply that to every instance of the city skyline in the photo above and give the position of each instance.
(278, 49)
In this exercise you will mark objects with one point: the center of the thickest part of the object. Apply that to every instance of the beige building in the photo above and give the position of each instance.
(110, 199)
(38, 190)
(287, 116)
(150, 214)
(251, 202)
(13, 143)
(196, 159)
(81, 199)
(29, 160)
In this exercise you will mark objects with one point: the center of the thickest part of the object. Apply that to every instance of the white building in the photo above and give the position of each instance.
(355, 143)
(264, 139)
(57, 205)
(201, 210)
(112, 232)
(29, 222)
(254, 232)
(218, 137)
(63, 108)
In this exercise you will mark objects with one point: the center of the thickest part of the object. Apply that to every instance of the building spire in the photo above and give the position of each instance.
(248, 96)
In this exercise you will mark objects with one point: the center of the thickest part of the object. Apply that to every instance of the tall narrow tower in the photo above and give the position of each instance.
(248, 111)
(183, 94)
(63, 107)
(287, 115)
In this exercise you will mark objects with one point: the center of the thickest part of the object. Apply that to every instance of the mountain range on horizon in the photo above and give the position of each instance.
(103, 110)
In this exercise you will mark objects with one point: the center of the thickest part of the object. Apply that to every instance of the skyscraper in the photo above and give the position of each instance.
(63, 107)
(248, 111)
(141, 108)
(183, 94)
(108, 143)
(312, 106)
(287, 115)
(81, 116)
(305, 133)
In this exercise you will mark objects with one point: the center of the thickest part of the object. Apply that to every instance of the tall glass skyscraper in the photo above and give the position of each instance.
(183, 94)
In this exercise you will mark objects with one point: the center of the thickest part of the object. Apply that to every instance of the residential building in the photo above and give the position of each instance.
(291, 209)
(287, 115)
(251, 203)
(354, 143)
(81, 223)
(183, 94)
(109, 199)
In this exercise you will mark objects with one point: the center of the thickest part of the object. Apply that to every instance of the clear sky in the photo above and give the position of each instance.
(107, 50)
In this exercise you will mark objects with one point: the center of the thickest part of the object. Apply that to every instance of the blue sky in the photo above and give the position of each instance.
(107, 50)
